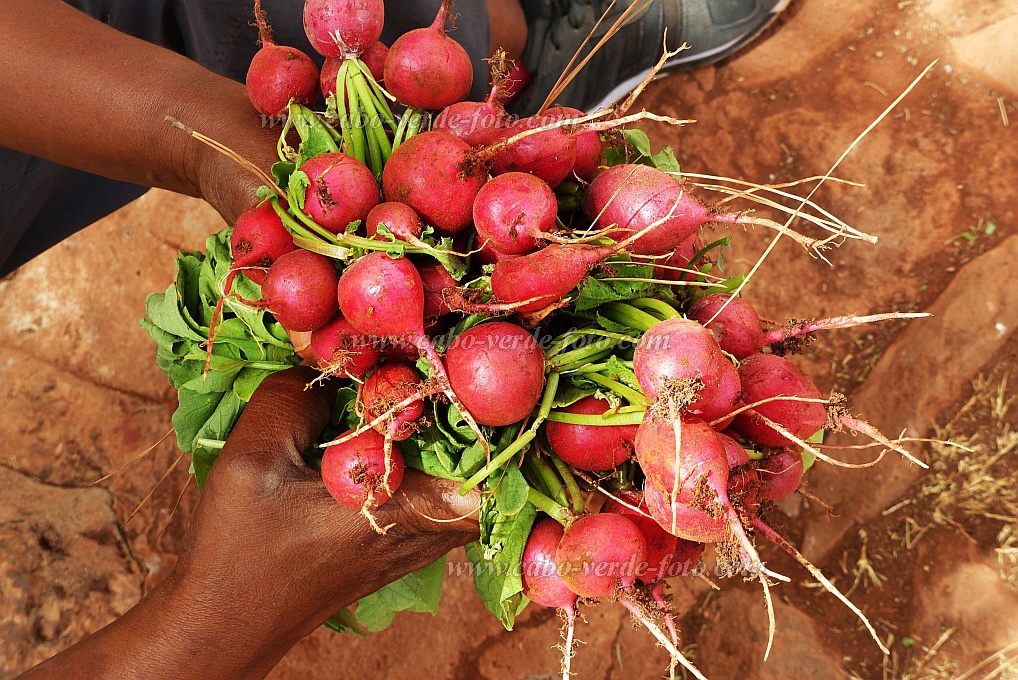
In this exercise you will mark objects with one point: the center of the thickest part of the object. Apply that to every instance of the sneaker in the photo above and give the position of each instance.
(713, 29)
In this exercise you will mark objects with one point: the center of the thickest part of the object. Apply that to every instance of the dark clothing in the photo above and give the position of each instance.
(42, 203)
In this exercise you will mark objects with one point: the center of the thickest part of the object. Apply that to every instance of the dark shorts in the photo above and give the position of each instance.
(42, 203)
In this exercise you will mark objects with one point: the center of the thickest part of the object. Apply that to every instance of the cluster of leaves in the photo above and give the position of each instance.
(250, 345)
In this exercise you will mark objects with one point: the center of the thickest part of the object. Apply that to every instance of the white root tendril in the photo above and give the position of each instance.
(676, 655)
(773, 537)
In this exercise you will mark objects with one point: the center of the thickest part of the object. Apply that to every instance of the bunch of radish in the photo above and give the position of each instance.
(534, 296)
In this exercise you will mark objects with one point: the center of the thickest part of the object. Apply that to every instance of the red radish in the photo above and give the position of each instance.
(389, 385)
(675, 358)
(513, 212)
(384, 298)
(726, 399)
(426, 69)
(589, 145)
(765, 376)
(436, 280)
(545, 276)
(601, 554)
(373, 58)
(660, 544)
(399, 218)
(594, 448)
(737, 328)
(497, 370)
(735, 455)
(259, 239)
(355, 472)
(743, 480)
(679, 468)
(338, 349)
(337, 28)
(342, 190)
(488, 255)
(629, 198)
(279, 74)
(681, 258)
(427, 172)
(701, 525)
(780, 474)
(549, 155)
(476, 123)
(300, 290)
(541, 580)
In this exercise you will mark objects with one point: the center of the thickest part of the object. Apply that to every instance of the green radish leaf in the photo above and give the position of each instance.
(193, 410)
(665, 160)
(570, 390)
(163, 310)
(315, 137)
(221, 422)
(595, 292)
(344, 621)
(619, 372)
(214, 381)
(297, 188)
(808, 459)
(281, 171)
(201, 464)
(344, 413)
(496, 560)
(511, 491)
(248, 381)
(419, 591)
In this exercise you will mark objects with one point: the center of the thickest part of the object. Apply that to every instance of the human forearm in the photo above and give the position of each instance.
(82, 94)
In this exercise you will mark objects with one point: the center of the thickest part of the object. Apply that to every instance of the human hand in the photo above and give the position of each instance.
(269, 555)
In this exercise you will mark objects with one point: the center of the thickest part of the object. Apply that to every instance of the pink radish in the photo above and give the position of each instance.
(594, 448)
(384, 298)
(670, 467)
(389, 385)
(780, 474)
(279, 74)
(426, 69)
(549, 155)
(662, 548)
(476, 123)
(681, 258)
(497, 370)
(701, 525)
(300, 291)
(337, 28)
(541, 580)
(737, 327)
(259, 239)
(628, 198)
(342, 190)
(373, 58)
(725, 400)
(743, 480)
(589, 145)
(513, 212)
(355, 472)
(600, 555)
(488, 255)
(765, 376)
(400, 219)
(436, 280)
(678, 362)
(427, 172)
(338, 349)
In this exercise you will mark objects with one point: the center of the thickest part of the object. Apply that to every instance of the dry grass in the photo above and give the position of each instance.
(983, 482)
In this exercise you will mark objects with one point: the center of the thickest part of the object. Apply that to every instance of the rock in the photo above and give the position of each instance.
(733, 643)
(910, 387)
(992, 53)
(65, 571)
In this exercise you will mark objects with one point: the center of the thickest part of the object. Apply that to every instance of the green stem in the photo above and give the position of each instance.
(572, 487)
(213, 444)
(267, 365)
(306, 120)
(551, 481)
(550, 390)
(381, 97)
(357, 136)
(314, 226)
(292, 225)
(415, 123)
(281, 142)
(584, 353)
(627, 393)
(374, 113)
(569, 338)
(533, 477)
(404, 121)
(629, 316)
(341, 112)
(557, 512)
(633, 418)
(565, 367)
(374, 150)
(665, 309)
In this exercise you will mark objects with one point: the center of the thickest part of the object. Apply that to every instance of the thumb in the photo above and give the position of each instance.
(429, 505)
(283, 419)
